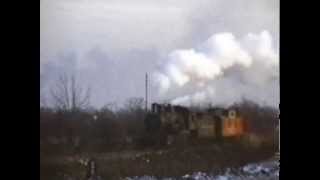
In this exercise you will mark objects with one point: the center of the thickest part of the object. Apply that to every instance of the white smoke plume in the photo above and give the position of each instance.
(221, 71)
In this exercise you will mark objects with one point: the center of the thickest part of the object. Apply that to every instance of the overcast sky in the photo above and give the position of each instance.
(111, 44)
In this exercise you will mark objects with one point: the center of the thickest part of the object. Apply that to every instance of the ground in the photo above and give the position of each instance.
(198, 162)
(268, 170)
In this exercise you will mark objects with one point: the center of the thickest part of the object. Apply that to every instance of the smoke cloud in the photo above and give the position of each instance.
(221, 71)
(109, 45)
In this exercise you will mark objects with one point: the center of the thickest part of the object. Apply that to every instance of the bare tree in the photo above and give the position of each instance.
(134, 104)
(43, 99)
(112, 106)
(68, 95)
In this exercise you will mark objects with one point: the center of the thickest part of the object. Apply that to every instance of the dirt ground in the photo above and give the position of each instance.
(169, 162)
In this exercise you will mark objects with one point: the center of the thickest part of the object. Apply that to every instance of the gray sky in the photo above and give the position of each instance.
(111, 44)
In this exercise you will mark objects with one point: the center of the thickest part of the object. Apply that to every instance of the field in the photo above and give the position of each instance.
(200, 161)
(122, 148)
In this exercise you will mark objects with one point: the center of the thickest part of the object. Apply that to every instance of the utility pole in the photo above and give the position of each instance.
(278, 134)
(279, 129)
(146, 99)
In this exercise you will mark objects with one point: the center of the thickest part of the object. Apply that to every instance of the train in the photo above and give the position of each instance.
(215, 123)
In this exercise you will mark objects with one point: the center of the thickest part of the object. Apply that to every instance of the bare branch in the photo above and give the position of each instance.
(68, 96)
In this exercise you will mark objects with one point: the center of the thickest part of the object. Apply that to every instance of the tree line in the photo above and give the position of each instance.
(72, 125)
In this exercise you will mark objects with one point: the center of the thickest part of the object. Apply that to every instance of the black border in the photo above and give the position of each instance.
(20, 89)
(298, 90)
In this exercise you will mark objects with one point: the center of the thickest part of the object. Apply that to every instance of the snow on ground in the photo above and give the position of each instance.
(259, 171)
